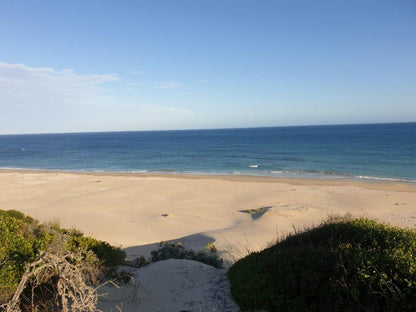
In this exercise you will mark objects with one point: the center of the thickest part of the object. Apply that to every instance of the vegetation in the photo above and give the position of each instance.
(256, 213)
(257, 210)
(344, 264)
(38, 254)
(177, 251)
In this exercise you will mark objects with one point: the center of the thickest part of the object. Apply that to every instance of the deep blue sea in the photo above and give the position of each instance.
(373, 151)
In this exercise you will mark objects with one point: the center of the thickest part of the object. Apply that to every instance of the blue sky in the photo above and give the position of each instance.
(145, 65)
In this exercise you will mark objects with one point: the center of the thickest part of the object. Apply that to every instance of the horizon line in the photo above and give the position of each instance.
(208, 129)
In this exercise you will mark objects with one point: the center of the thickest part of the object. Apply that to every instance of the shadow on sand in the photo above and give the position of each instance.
(258, 212)
(195, 241)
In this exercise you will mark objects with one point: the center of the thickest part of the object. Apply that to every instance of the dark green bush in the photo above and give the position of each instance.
(347, 265)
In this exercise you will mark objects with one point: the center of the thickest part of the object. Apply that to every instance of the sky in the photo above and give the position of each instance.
(80, 66)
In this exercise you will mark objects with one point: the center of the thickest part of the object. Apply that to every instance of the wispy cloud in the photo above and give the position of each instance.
(14, 72)
(170, 84)
(43, 99)
(136, 72)
(135, 84)
(24, 85)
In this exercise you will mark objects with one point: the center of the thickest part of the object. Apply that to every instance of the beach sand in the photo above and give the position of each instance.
(137, 211)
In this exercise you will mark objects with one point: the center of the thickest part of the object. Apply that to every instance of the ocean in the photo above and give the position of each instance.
(367, 151)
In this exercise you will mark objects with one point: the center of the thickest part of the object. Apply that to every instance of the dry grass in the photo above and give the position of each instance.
(61, 281)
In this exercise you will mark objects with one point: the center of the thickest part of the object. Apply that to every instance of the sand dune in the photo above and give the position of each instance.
(172, 285)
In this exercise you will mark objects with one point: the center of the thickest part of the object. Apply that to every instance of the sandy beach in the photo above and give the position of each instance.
(137, 211)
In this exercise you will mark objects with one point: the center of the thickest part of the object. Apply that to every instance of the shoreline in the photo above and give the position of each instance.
(384, 183)
(138, 210)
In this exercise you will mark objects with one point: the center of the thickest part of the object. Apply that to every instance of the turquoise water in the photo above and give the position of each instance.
(376, 151)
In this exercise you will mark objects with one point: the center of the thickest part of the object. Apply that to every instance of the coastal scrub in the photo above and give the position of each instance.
(24, 241)
(344, 264)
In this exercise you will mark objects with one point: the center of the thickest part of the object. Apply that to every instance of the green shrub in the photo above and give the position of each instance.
(15, 250)
(109, 255)
(23, 239)
(342, 265)
(178, 251)
(19, 216)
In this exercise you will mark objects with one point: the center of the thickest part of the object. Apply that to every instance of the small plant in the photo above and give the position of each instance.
(256, 213)
(210, 247)
(123, 277)
(137, 262)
